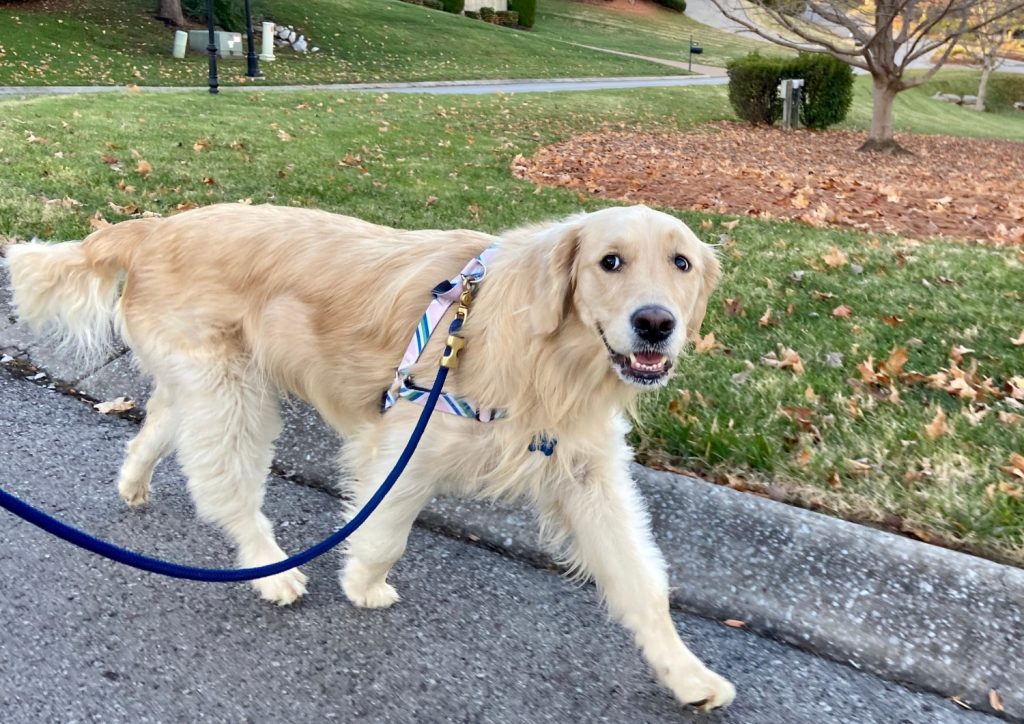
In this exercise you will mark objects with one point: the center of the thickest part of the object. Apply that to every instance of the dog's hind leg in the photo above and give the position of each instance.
(378, 544)
(229, 419)
(154, 441)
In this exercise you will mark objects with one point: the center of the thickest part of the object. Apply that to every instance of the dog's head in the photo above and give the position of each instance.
(637, 278)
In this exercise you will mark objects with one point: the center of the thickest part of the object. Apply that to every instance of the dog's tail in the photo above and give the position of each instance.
(71, 290)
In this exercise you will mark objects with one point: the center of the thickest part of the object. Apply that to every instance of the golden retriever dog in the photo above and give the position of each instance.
(231, 307)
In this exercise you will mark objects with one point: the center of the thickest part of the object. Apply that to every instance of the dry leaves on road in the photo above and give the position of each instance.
(962, 188)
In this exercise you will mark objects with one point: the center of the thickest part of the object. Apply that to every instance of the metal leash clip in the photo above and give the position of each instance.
(456, 342)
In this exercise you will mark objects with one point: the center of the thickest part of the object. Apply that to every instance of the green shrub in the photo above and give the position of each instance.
(753, 88)
(825, 99)
(454, 6)
(486, 13)
(433, 4)
(473, 14)
(227, 14)
(679, 5)
(828, 88)
(527, 10)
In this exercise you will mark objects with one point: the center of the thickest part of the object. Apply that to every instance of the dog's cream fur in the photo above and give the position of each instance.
(229, 306)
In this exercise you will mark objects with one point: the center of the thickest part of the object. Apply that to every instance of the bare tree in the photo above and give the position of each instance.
(883, 38)
(985, 45)
(170, 10)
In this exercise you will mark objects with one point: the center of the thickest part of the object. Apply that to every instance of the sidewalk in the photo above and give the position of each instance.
(477, 637)
(940, 620)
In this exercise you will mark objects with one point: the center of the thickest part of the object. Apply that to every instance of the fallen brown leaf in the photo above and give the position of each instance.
(96, 221)
(1009, 418)
(705, 344)
(120, 404)
(143, 168)
(995, 700)
(786, 359)
(733, 306)
(937, 427)
(1017, 343)
(734, 623)
(959, 702)
(843, 311)
(858, 467)
(835, 258)
(898, 357)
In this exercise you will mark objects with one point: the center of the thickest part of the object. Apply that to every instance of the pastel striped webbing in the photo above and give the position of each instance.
(445, 295)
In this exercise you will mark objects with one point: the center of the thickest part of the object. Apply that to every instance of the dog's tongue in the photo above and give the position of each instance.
(650, 358)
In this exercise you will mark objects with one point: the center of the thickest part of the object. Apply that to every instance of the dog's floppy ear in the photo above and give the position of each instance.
(708, 282)
(555, 276)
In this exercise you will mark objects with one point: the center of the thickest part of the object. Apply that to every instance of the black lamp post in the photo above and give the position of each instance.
(253, 68)
(211, 48)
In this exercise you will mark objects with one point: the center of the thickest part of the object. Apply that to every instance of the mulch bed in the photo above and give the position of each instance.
(961, 188)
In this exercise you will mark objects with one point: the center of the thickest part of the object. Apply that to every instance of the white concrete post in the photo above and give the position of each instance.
(180, 42)
(268, 42)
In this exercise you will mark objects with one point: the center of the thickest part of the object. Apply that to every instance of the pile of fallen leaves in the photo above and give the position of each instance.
(961, 188)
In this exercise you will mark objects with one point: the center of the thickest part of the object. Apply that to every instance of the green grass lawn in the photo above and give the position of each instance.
(104, 42)
(423, 161)
(916, 110)
(666, 34)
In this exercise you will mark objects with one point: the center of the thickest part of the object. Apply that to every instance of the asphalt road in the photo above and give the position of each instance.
(476, 638)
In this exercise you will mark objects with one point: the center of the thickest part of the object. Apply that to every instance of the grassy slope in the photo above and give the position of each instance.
(916, 111)
(420, 161)
(117, 41)
(666, 34)
(1004, 89)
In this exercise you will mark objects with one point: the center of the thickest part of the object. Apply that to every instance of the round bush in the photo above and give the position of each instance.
(753, 88)
(679, 5)
(527, 10)
(454, 6)
(825, 99)
(828, 88)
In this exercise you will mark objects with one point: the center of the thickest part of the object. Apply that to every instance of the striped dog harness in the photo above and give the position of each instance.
(445, 295)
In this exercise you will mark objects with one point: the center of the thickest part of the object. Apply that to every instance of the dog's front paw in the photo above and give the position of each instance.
(133, 491)
(284, 588)
(379, 595)
(365, 587)
(701, 688)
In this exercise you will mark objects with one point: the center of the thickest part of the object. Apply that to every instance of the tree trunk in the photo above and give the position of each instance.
(986, 71)
(170, 10)
(880, 139)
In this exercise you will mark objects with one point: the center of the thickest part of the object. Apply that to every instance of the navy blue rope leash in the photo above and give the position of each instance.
(154, 565)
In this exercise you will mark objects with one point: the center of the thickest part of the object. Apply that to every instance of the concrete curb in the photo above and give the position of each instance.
(934, 618)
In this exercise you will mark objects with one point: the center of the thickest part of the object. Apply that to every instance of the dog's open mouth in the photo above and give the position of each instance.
(643, 367)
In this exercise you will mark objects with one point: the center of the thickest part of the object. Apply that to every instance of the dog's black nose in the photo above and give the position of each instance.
(653, 323)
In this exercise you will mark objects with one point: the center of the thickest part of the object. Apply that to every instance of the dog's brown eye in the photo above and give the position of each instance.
(611, 263)
(682, 262)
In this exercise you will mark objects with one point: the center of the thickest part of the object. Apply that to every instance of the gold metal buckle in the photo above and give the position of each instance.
(456, 342)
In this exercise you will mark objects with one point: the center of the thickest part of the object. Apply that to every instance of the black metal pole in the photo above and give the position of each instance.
(689, 56)
(253, 70)
(211, 48)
